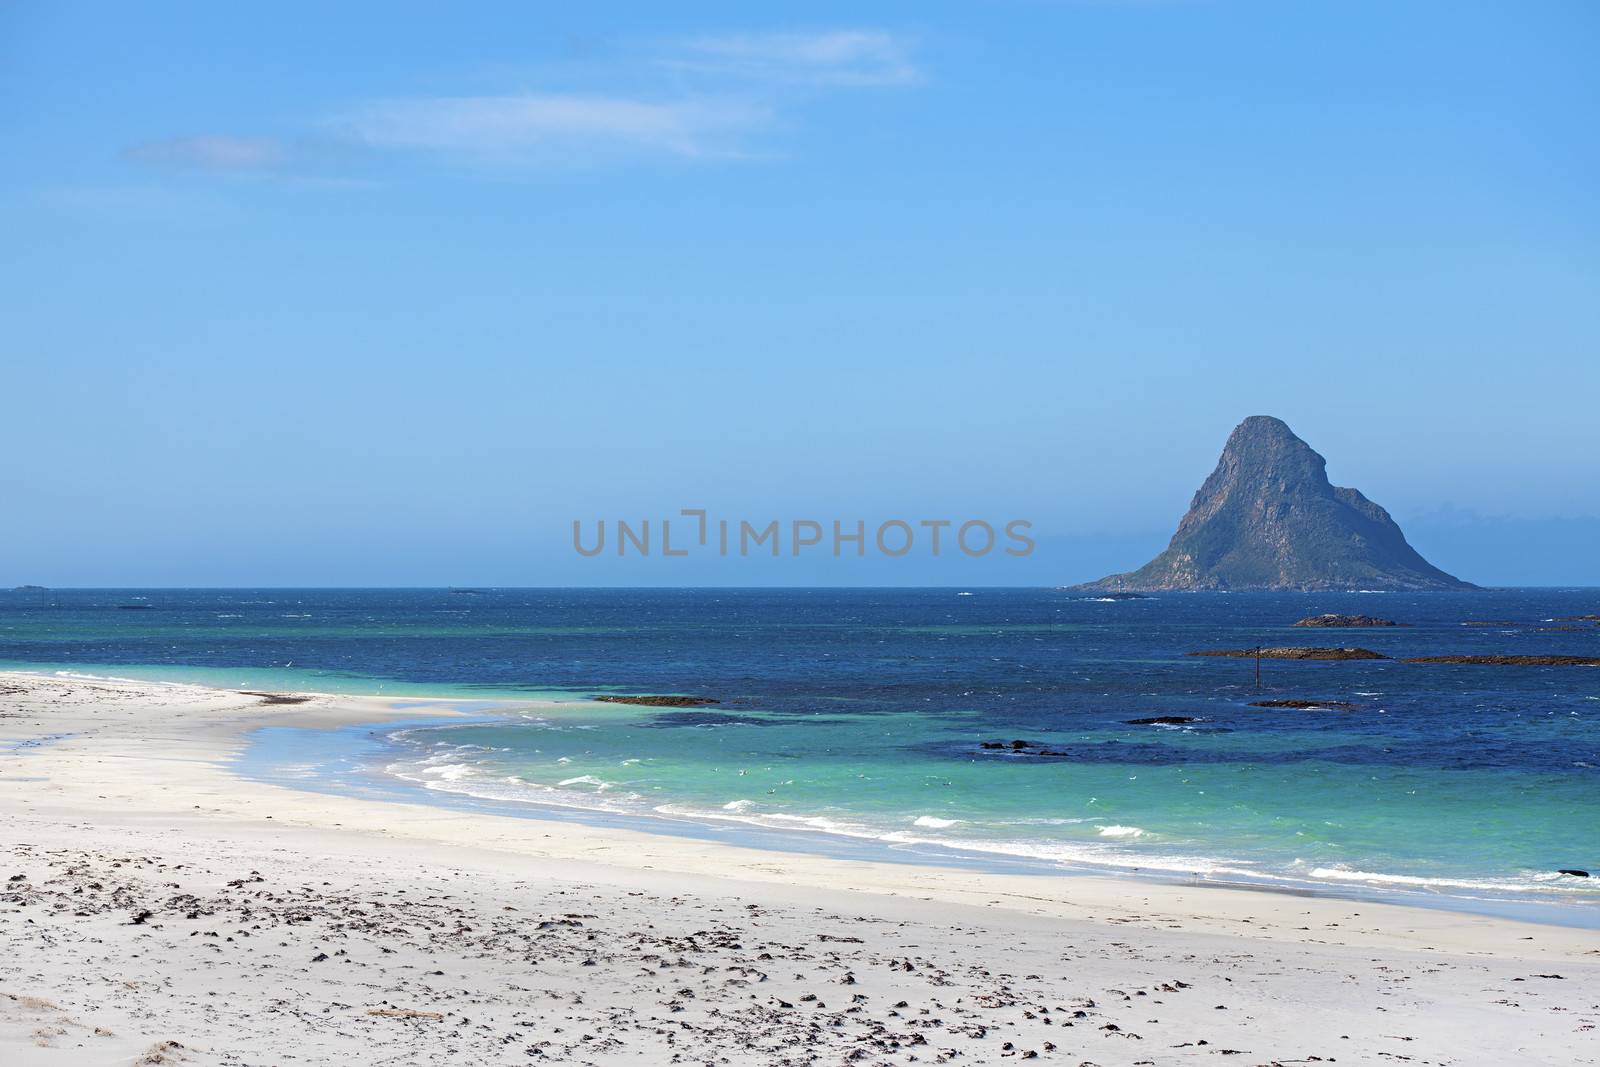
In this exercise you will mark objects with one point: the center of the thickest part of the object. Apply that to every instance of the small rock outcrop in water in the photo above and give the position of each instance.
(1512, 661)
(1268, 518)
(660, 701)
(1574, 872)
(1304, 705)
(1162, 720)
(1020, 748)
(1331, 621)
(1293, 653)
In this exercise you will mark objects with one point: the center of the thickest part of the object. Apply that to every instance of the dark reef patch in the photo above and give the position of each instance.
(1293, 653)
(1341, 705)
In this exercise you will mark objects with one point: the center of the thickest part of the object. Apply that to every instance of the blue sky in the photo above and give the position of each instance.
(389, 293)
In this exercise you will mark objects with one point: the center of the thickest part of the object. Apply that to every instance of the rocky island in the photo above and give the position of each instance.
(1293, 652)
(1331, 621)
(1269, 519)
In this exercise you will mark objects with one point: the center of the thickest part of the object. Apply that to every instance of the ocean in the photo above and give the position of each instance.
(855, 721)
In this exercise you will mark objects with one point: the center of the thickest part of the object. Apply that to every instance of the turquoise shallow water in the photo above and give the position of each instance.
(1235, 807)
(858, 718)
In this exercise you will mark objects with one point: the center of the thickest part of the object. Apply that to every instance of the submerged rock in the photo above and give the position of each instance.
(1331, 620)
(659, 701)
(1020, 748)
(1293, 653)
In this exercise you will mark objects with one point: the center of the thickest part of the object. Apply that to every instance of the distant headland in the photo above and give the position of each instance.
(1268, 519)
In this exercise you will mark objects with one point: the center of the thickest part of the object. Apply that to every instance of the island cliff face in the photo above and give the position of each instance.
(1268, 519)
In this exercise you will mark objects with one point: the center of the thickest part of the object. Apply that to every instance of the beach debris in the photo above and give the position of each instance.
(276, 698)
(159, 1053)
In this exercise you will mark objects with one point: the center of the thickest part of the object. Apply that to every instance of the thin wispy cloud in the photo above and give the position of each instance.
(715, 97)
(533, 127)
(837, 58)
(212, 153)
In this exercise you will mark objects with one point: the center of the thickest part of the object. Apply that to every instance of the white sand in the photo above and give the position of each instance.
(155, 908)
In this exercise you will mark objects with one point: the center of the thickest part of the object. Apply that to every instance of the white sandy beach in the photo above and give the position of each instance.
(156, 908)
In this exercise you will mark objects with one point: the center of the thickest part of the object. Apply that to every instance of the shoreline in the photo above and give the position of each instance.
(338, 712)
(103, 768)
(262, 759)
(1542, 907)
